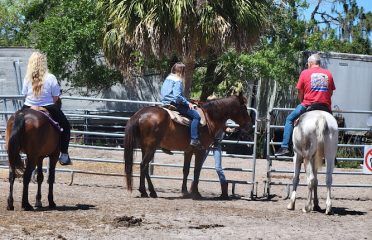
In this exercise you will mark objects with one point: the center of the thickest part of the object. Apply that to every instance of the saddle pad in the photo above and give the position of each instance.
(47, 114)
(177, 117)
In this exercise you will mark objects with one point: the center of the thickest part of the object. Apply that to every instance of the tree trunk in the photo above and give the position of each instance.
(209, 84)
(189, 65)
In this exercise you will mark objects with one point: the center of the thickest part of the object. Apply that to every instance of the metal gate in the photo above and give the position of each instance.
(86, 116)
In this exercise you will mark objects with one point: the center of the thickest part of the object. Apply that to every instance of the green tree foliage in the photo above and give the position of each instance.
(214, 36)
(12, 22)
(277, 55)
(187, 29)
(70, 33)
(346, 28)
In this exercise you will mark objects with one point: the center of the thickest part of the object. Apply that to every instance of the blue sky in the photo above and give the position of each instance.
(366, 4)
(326, 5)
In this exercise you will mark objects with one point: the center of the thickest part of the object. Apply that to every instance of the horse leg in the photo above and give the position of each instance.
(30, 166)
(186, 170)
(199, 159)
(309, 165)
(51, 178)
(297, 159)
(147, 155)
(330, 154)
(40, 179)
(11, 184)
(148, 178)
(142, 187)
(316, 200)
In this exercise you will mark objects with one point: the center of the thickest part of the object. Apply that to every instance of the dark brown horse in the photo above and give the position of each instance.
(31, 132)
(152, 127)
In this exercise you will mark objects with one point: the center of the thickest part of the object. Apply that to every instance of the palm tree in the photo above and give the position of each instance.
(188, 29)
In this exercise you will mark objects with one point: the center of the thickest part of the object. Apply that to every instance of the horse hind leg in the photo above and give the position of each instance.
(309, 164)
(297, 159)
(11, 185)
(51, 178)
(31, 162)
(186, 171)
(147, 157)
(149, 183)
(316, 199)
(40, 179)
(199, 160)
(330, 154)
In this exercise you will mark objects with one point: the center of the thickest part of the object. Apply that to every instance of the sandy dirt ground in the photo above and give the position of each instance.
(99, 207)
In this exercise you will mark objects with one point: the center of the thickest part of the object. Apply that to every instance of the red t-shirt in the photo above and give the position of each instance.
(317, 85)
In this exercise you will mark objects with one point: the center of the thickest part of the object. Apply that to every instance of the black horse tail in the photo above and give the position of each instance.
(130, 138)
(14, 144)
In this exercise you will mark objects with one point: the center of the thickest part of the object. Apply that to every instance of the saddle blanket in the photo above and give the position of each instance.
(177, 117)
(47, 114)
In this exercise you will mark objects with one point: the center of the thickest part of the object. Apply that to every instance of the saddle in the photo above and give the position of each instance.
(312, 107)
(45, 111)
(178, 118)
(318, 106)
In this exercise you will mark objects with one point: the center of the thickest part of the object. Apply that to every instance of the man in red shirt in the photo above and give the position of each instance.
(315, 86)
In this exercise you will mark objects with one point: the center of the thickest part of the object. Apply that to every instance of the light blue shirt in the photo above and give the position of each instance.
(172, 91)
(49, 90)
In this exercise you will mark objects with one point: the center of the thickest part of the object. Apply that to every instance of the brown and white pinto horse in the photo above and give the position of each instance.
(32, 133)
(152, 127)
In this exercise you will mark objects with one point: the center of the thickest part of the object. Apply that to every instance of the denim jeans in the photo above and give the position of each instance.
(217, 154)
(194, 115)
(288, 128)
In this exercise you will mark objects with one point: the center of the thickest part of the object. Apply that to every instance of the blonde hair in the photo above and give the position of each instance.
(179, 69)
(37, 69)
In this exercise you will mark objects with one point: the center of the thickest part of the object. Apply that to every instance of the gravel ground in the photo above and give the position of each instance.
(99, 207)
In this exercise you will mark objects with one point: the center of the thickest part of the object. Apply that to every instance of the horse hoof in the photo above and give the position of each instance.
(196, 196)
(52, 206)
(144, 195)
(28, 208)
(38, 204)
(224, 197)
(329, 212)
(153, 195)
(186, 194)
(305, 210)
(291, 206)
(10, 208)
(317, 209)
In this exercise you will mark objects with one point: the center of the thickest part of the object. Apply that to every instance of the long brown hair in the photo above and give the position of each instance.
(37, 69)
(179, 70)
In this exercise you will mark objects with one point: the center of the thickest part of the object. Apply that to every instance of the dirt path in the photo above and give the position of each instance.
(98, 207)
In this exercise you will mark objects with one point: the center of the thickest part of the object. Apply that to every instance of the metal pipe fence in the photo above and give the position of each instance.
(119, 134)
(270, 145)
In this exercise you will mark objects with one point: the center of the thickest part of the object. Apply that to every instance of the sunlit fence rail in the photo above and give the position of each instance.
(100, 137)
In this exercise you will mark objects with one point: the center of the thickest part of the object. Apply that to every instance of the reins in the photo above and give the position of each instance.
(207, 121)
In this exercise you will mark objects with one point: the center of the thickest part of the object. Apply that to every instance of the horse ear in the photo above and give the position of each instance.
(243, 100)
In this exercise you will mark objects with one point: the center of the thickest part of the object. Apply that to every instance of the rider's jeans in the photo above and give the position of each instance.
(288, 128)
(194, 115)
(218, 162)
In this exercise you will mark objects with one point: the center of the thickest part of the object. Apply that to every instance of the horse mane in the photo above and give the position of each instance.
(213, 107)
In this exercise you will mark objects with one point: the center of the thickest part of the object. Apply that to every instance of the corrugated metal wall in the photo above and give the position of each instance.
(353, 79)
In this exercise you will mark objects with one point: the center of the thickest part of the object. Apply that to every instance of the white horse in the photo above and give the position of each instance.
(314, 138)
